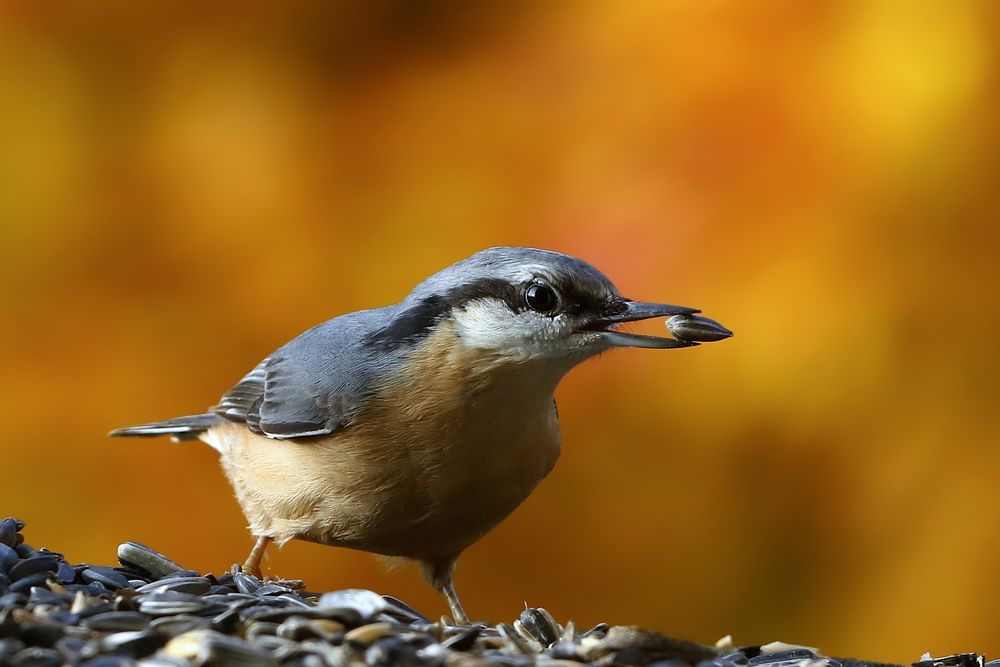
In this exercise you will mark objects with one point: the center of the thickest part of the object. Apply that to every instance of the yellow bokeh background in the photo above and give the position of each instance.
(185, 186)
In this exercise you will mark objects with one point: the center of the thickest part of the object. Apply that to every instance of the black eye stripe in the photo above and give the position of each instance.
(570, 300)
(486, 288)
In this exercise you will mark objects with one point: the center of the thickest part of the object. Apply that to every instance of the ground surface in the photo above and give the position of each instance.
(148, 610)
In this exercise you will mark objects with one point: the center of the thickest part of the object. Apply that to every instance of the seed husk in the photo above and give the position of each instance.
(697, 329)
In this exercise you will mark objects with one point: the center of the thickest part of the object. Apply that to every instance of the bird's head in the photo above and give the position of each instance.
(530, 305)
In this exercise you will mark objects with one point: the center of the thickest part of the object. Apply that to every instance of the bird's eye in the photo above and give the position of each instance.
(541, 298)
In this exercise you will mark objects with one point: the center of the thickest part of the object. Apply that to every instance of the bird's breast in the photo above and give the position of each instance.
(469, 437)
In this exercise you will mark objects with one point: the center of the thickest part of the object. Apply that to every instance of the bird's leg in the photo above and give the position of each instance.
(252, 564)
(461, 618)
(440, 576)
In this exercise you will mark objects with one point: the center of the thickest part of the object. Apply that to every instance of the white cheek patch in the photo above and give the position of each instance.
(489, 324)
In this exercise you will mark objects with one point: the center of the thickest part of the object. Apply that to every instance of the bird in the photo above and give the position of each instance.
(413, 429)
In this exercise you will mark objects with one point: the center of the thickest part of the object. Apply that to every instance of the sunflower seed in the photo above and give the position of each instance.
(246, 583)
(170, 607)
(179, 624)
(514, 642)
(464, 640)
(696, 328)
(538, 624)
(25, 584)
(8, 647)
(137, 644)
(9, 529)
(207, 647)
(192, 585)
(34, 565)
(353, 606)
(37, 657)
(8, 557)
(402, 611)
(117, 621)
(106, 576)
(144, 559)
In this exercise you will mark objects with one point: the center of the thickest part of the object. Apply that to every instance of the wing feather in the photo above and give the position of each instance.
(316, 383)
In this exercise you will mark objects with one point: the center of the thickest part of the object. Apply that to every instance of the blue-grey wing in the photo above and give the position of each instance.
(316, 383)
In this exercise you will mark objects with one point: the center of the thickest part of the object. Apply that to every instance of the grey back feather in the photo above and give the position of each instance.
(314, 384)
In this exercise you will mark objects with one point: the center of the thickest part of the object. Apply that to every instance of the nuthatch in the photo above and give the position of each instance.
(412, 430)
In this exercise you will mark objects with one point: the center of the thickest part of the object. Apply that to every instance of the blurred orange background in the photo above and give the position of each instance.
(184, 187)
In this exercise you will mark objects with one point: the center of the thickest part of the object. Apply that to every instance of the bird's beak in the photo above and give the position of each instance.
(625, 310)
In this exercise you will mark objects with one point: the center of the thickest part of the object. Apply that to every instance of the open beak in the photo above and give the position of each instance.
(631, 311)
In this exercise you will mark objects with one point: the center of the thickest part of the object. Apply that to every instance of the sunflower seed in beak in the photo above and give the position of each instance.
(696, 328)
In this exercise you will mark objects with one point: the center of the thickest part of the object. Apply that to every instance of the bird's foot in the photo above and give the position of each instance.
(248, 568)
(293, 584)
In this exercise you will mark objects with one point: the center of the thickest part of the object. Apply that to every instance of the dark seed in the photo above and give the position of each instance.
(539, 625)
(567, 650)
(8, 531)
(65, 574)
(389, 651)
(8, 557)
(41, 595)
(108, 661)
(106, 576)
(37, 657)
(117, 621)
(135, 644)
(64, 617)
(34, 565)
(95, 609)
(192, 585)
(24, 585)
(177, 625)
(402, 611)
(8, 600)
(41, 634)
(515, 642)
(8, 624)
(70, 646)
(93, 589)
(144, 559)
(24, 550)
(598, 631)
(170, 607)
(9, 646)
(292, 600)
(782, 656)
(228, 621)
(464, 640)
(246, 583)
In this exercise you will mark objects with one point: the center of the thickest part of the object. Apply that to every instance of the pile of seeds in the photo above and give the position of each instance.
(152, 612)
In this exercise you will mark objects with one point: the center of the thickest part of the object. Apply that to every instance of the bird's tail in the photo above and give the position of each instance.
(180, 428)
